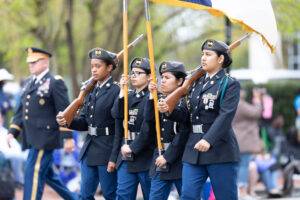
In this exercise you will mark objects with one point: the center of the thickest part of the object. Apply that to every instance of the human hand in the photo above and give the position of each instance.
(60, 119)
(152, 86)
(125, 150)
(202, 145)
(160, 161)
(163, 106)
(123, 80)
(111, 166)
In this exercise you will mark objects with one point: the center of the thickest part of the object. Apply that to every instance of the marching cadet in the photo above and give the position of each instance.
(96, 118)
(173, 134)
(137, 153)
(212, 149)
(43, 96)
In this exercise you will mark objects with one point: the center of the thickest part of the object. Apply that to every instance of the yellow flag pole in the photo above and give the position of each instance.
(125, 67)
(153, 75)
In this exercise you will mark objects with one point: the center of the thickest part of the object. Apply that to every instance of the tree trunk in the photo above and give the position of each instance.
(71, 47)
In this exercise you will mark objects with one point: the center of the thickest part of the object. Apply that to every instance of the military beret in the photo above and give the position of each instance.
(142, 63)
(34, 54)
(172, 66)
(219, 47)
(102, 54)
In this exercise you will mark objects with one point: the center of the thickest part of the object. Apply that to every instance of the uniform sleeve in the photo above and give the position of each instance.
(117, 140)
(61, 100)
(118, 108)
(145, 138)
(147, 131)
(79, 123)
(180, 113)
(116, 114)
(17, 122)
(60, 95)
(222, 123)
(176, 148)
(149, 115)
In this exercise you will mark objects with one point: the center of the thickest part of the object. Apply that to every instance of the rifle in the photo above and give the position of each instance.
(88, 86)
(181, 91)
(175, 96)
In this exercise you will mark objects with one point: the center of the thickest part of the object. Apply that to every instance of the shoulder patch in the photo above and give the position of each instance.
(58, 77)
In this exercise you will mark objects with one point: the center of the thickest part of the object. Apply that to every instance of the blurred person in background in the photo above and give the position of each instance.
(14, 154)
(43, 96)
(297, 109)
(67, 165)
(5, 101)
(245, 125)
(268, 163)
(266, 117)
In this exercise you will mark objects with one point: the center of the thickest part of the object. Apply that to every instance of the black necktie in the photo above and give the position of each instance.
(97, 90)
(32, 83)
(206, 80)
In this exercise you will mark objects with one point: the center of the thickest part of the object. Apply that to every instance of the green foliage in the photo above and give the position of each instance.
(287, 16)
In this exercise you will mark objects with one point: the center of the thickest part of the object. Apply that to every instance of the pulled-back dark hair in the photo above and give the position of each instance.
(227, 59)
(179, 75)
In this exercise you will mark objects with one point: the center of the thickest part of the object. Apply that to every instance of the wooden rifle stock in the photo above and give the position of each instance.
(70, 112)
(173, 98)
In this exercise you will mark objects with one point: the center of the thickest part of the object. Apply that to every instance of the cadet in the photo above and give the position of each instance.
(43, 96)
(96, 118)
(135, 169)
(212, 149)
(173, 134)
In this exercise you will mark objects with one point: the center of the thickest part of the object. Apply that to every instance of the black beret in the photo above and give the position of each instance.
(171, 66)
(219, 47)
(142, 63)
(34, 54)
(102, 54)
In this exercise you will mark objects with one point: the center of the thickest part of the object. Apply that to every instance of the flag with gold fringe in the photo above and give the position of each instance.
(253, 15)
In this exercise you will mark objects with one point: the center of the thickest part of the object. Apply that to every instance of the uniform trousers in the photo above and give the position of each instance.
(90, 178)
(160, 189)
(38, 171)
(223, 178)
(128, 183)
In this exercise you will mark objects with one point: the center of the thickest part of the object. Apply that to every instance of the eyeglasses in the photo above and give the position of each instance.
(136, 73)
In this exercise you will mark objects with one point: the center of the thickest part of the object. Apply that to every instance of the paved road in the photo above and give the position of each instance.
(51, 195)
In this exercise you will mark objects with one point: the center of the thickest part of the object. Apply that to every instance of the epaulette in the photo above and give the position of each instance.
(58, 77)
